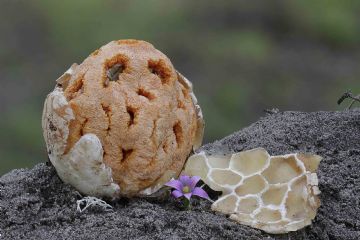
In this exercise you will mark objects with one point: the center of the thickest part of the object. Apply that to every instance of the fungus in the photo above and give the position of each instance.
(113, 128)
(276, 194)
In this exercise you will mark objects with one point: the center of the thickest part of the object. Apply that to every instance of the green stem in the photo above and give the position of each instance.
(186, 204)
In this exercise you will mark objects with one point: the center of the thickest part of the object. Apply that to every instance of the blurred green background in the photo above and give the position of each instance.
(242, 56)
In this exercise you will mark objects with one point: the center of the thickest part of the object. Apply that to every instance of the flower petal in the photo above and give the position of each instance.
(175, 184)
(200, 193)
(194, 180)
(177, 194)
(185, 180)
(188, 195)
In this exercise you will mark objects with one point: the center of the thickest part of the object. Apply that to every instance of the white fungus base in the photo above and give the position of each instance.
(83, 166)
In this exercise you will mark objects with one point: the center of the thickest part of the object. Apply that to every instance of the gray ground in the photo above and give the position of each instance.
(35, 204)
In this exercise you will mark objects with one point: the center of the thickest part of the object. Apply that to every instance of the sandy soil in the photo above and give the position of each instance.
(35, 204)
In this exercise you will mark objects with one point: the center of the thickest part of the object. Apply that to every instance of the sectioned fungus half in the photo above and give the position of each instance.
(123, 122)
(276, 194)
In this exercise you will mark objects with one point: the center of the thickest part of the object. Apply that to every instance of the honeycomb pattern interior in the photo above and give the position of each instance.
(276, 194)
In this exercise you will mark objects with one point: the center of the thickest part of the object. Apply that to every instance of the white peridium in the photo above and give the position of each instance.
(56, 117)
(83, 166)
(276, 194)
(200, 119)
(63, 80)
(84, 169)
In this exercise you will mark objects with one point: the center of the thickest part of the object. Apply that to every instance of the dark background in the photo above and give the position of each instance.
(242, 56)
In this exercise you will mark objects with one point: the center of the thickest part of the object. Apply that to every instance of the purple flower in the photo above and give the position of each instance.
(186, 186)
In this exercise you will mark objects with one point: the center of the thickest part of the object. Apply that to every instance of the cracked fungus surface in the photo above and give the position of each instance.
(276, 194)
(143, 112)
